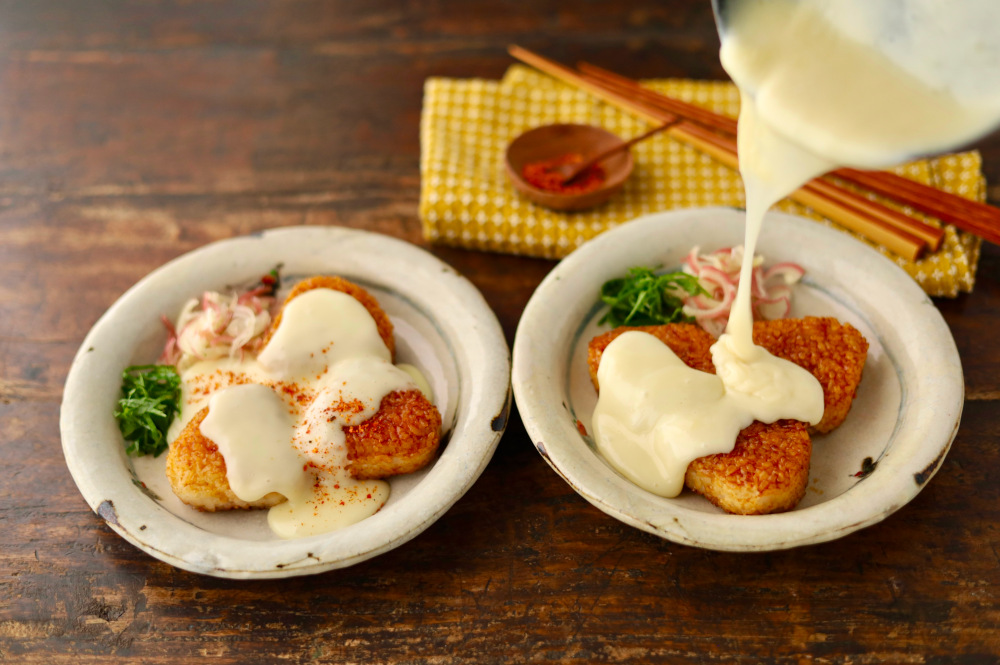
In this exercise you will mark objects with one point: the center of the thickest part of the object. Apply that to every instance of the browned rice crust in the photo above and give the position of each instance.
(768, 469)
(401, 437)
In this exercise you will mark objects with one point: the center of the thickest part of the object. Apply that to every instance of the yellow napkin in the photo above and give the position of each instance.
(466, 199)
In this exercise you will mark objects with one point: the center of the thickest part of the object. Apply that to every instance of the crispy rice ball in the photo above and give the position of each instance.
(401, 438)
(768, 469)
(382, 321)
(688, 341)
(197, 473)
(832, 351)
(766, 472)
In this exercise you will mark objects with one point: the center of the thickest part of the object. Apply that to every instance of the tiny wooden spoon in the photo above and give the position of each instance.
(571, 172)
(548, 141)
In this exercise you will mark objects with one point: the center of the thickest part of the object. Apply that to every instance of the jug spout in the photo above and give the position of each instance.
(863, 83)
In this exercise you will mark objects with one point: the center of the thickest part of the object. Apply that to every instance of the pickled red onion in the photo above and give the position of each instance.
(217, 325)
(719, 274)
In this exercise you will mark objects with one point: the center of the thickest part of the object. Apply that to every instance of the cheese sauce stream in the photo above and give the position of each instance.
(279, 419)
(867, 83)
(843, 102)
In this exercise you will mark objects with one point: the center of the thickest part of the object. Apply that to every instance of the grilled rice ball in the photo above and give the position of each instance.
(832, 351)
(768, 469)
(766, 472)
(382, 321)
(402, 437)
(197, 473)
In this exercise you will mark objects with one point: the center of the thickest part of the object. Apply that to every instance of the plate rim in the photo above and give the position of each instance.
(556, 440)
(479, 421)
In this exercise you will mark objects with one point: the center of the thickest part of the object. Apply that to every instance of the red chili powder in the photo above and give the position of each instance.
(541, 175)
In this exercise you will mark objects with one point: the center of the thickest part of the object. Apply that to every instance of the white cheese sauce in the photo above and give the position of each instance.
(278, 419)
(813, 97)
(867, 83)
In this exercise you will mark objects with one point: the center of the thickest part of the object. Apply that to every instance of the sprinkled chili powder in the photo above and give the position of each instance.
(544, 176)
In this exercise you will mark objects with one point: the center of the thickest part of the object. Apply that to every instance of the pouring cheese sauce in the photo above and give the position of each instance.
(813, 97)
(278, 419)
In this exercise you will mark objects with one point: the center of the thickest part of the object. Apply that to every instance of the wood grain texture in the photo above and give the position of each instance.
(134, 131)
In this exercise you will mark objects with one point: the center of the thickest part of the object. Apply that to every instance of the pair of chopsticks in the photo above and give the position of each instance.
(714, 135)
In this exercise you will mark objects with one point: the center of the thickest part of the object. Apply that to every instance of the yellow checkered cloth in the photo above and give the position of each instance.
(467, 201)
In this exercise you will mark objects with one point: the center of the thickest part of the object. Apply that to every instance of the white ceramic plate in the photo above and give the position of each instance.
(905, 416)
(442, 325)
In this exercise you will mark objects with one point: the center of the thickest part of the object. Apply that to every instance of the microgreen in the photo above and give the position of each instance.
(151, 396)
(643, 298)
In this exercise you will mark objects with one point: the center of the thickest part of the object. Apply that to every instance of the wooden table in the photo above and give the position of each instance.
(134, 131)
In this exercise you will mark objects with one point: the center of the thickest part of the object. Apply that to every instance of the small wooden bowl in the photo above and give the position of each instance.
(549, 141)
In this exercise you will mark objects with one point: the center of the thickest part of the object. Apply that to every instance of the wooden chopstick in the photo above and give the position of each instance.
(900, 241)
(689, 111)
(567, 75)
(857, 204)
(828, 202)
(973, 216)
(933, 236)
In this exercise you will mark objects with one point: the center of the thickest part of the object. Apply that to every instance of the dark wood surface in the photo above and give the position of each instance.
(134, 131)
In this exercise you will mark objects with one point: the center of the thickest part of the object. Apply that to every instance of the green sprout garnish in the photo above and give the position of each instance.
(151, 396)
(643, 298)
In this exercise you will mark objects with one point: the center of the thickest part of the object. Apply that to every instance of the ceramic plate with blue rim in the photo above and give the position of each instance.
(442, 325)
(900, 427)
